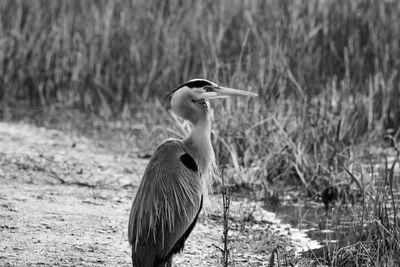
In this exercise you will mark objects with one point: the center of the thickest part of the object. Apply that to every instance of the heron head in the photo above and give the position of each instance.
(191, 100)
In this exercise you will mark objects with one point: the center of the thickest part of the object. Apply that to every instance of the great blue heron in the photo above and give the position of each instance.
(170, 195)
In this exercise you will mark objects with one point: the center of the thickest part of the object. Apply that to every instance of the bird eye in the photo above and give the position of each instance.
(208, 88)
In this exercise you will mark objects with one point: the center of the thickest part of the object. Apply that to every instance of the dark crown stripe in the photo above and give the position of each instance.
(196, 84)
(191, 84)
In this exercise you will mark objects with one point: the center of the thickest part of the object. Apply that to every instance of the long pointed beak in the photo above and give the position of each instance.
(222, 92)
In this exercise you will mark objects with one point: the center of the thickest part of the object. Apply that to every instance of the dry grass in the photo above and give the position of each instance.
(326, 71)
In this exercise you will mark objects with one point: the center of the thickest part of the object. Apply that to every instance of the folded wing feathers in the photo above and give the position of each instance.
(170, 214)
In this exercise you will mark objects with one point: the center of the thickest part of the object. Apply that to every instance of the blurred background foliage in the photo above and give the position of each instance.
(327, 72)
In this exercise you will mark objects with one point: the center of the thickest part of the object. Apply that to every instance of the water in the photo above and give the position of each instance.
(344, 224)
(333, 227)
(378, 175)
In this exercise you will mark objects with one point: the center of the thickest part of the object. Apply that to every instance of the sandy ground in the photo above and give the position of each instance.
(65, 202)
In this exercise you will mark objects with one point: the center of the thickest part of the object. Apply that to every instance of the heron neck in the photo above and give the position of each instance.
(199, 142)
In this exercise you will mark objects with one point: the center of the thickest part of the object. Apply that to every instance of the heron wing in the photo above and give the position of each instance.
(181, 242)
(167, 202)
